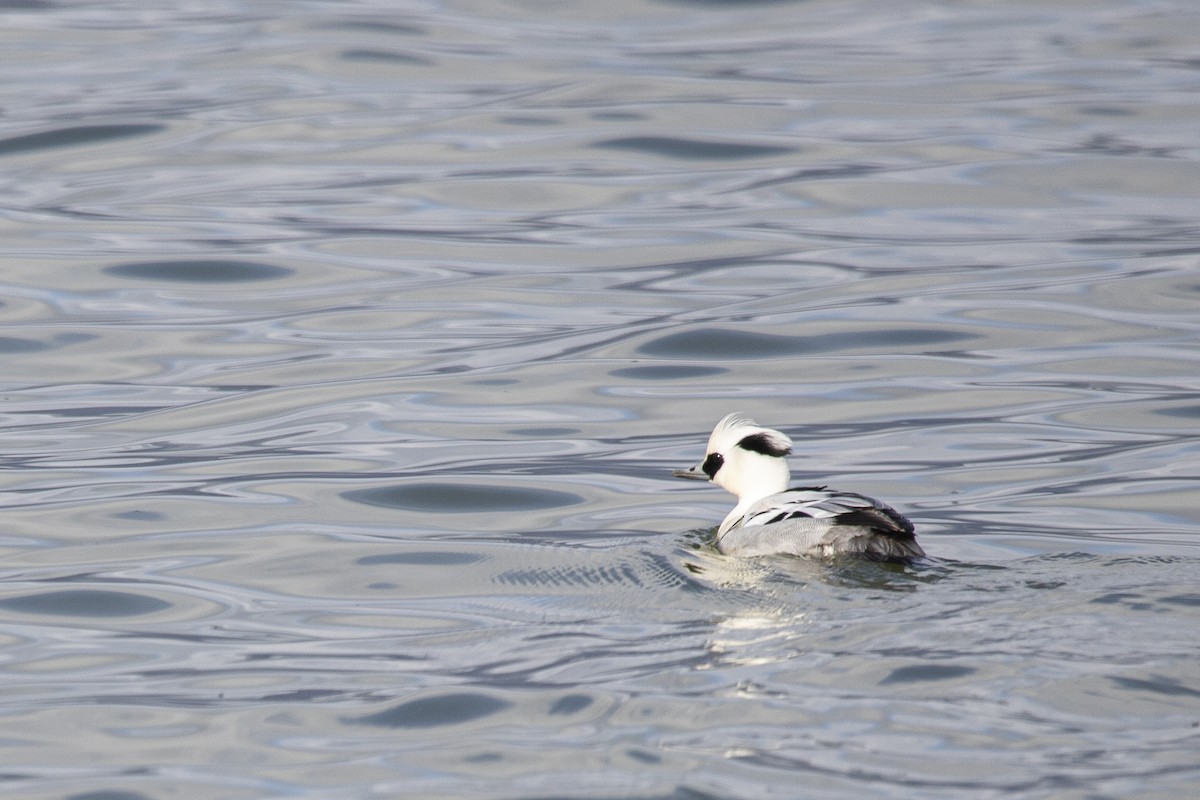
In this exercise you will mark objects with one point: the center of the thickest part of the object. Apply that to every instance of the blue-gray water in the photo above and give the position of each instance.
(347, 348)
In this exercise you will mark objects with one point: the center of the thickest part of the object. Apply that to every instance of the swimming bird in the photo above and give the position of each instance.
(750, 462)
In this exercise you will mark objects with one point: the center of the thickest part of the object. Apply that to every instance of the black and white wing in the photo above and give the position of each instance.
(855, 522)
(840, 508)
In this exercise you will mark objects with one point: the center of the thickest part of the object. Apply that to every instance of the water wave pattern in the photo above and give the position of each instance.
(348, 349)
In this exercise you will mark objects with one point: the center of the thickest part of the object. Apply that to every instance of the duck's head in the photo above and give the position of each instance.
(745, 459)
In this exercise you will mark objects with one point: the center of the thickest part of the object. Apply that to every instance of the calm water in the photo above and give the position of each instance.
(347, 349)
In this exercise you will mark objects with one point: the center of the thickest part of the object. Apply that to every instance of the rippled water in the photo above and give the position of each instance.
(347, 350)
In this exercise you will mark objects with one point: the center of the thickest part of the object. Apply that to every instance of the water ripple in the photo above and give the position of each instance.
(347, 355)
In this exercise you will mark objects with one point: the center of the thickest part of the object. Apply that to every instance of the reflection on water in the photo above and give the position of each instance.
(450, 498)
(84, 603)
(215, 272)
(347, 353)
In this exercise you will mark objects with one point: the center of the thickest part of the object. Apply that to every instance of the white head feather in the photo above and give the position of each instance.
(746, 460)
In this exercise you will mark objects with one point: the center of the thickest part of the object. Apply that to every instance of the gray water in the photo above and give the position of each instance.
(347, 348)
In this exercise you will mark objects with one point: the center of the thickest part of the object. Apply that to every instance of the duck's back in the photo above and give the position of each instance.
(815, 521)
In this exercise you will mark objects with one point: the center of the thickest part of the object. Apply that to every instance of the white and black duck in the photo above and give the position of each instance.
(750, 462)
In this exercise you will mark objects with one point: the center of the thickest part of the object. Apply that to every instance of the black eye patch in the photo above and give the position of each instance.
(713, 463)
(764, 443)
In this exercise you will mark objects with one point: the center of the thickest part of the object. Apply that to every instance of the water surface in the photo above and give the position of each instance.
(348, 349)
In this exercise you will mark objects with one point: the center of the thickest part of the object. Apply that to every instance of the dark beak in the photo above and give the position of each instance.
(695, 473)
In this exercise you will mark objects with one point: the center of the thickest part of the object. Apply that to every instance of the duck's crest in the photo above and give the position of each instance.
(744, 432)
(734, 421)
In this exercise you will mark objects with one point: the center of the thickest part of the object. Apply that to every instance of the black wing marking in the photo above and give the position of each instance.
(839, 508)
